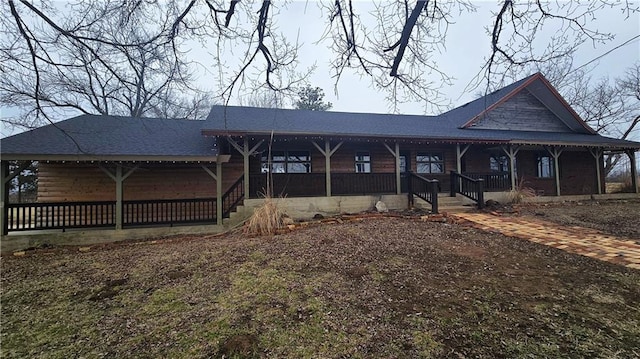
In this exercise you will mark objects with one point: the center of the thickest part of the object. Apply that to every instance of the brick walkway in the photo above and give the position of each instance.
(579, 240)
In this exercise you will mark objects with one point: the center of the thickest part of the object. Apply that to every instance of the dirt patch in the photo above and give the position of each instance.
(240, 346)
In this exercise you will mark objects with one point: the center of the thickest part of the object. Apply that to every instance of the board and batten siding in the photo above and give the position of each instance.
(522, 112)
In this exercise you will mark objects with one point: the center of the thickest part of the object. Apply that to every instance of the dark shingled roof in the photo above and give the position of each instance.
(114, 136)
(117, 136)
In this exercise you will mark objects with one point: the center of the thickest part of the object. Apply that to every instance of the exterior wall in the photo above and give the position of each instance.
(577, 173)
(343, 160)
(532, 115)
(75, 182)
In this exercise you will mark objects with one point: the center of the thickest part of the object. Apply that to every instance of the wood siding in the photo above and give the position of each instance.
(71, 182)
(523, 112)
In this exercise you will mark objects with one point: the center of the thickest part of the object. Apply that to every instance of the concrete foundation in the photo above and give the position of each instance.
(306, 207)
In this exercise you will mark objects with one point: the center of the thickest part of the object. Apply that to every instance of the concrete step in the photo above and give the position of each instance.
(455, 209)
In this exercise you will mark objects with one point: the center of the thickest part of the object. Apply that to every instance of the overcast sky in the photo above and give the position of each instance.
(466, 49)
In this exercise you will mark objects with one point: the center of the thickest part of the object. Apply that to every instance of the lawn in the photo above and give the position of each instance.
(375, 288)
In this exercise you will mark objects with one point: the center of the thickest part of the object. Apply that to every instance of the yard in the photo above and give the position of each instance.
(375, 288)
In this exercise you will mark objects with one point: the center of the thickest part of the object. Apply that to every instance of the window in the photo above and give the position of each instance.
(363, 162)
(430, 163)
(545, 166)
(287, 162)
(499, 163)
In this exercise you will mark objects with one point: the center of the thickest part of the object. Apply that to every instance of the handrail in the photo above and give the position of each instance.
(426, 189)
(232, 197)
(468, 187)
(493, 181)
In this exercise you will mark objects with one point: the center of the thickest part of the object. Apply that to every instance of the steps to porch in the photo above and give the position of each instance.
(448, 204)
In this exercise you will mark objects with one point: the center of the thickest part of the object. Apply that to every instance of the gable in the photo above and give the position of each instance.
(521, 112)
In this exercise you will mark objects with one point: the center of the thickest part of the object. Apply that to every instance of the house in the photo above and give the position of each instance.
(121, 172)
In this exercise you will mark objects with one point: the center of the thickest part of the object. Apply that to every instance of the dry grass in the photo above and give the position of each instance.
(266, 219)
(520, 193)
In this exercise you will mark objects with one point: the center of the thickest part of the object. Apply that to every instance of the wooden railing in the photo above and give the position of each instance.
(58, 215)
(468, 187)
(232, 198)
(362, 183)
(169, 211)
(288, 184)
(493, 181)
(424, 188)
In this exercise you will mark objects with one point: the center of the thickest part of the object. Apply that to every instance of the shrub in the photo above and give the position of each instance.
(520, 193)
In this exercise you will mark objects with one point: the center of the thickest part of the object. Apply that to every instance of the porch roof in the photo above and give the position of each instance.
(94, 137)
(233, 120)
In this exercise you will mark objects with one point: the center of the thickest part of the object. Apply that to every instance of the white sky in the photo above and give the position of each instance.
(467, 45)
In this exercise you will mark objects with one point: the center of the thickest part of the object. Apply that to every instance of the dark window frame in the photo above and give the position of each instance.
(499, 163)
(430, 160)
(286, 161)
(545, 167)
(362, 162)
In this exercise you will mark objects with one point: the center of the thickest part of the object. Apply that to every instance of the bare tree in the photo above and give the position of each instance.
(610, 106)
(393, 45)
(262, 97)
(104, 63)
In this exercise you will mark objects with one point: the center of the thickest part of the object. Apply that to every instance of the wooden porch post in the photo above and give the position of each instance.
(217, 176)
(597, 155)
(555, 153)
(119, 177)
(511, 152)
(327, 152)
(459, 154)
(219, 194)
(4, 196)
(396, 154)
(634, 171)
(245, 151)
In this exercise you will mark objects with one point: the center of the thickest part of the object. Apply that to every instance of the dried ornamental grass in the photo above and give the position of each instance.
(520, 193)
(266, 219)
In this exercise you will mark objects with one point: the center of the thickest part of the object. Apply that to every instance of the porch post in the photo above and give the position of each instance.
(597, 154)
(398, 178)
(245, 158)
(396, 154)
(459, 154)
(245, 151)
(634, 171)
(118, 179)
(327, 167)
(327, 152)
(219, 194)
(4, 197)
(555, 153)
(511, 152)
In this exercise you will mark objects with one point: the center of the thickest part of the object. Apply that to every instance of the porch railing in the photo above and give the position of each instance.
(362, 183)
(424, 188)
(493, 181)
(58, 215)
(288, 184)
(169, 211)
(232, 198)
(469, 187)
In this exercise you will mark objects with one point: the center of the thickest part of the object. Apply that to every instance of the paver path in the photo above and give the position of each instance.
(584, 241)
